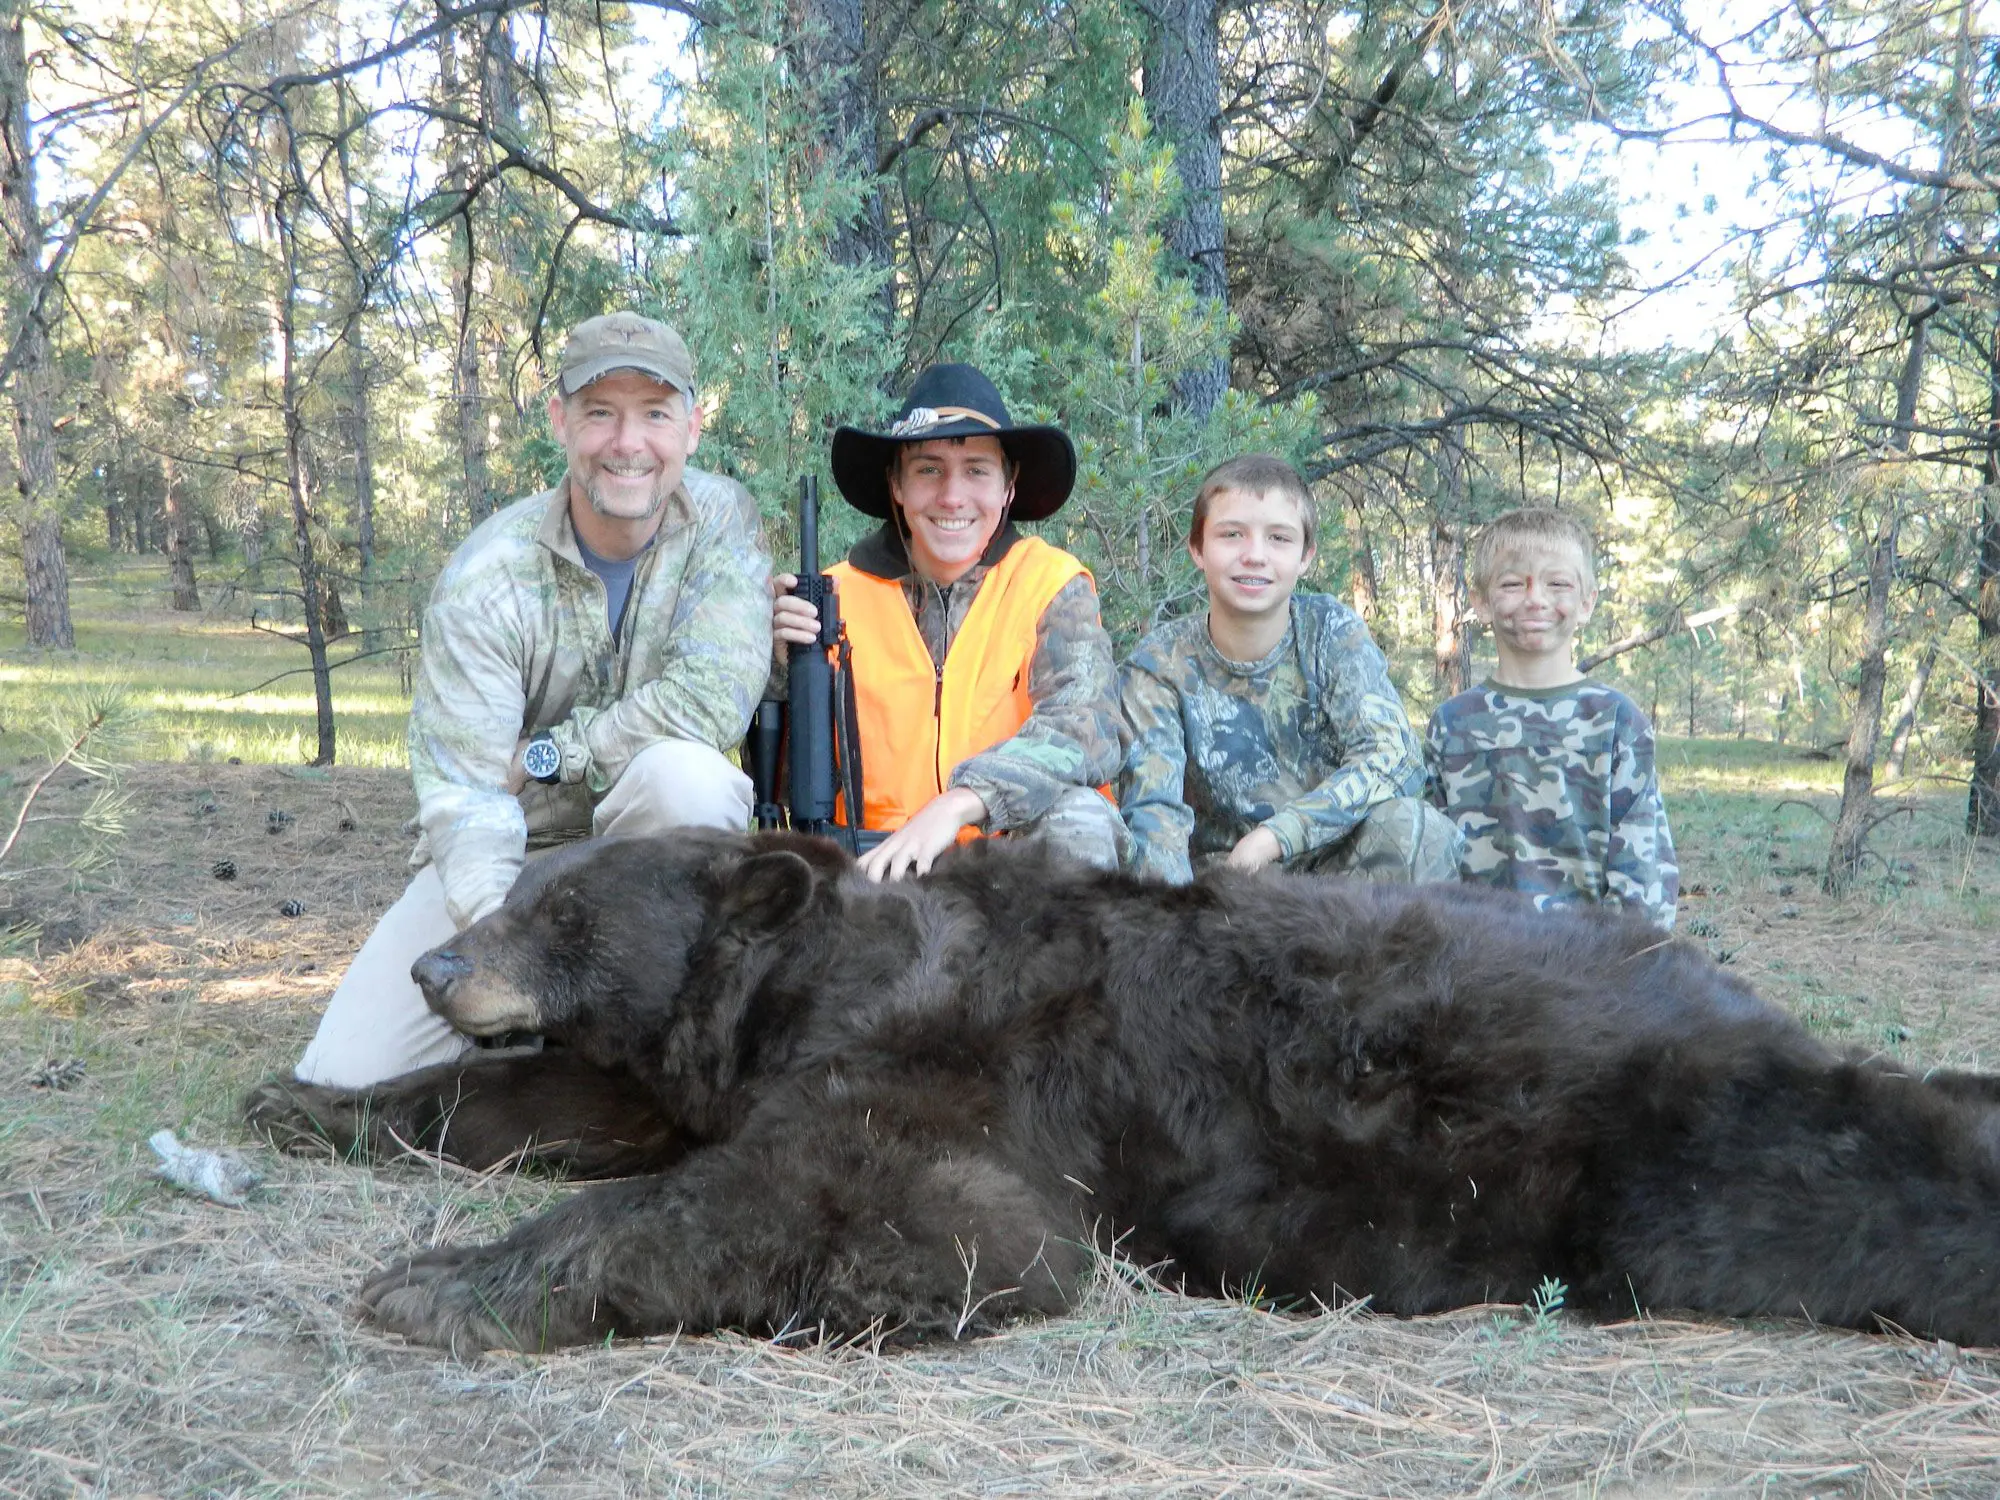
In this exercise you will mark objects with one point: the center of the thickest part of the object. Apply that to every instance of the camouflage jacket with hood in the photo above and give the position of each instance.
(1556, 792)
(516, 640)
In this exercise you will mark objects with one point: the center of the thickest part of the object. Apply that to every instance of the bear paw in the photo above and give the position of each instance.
(449, 1298)
(302, 1118)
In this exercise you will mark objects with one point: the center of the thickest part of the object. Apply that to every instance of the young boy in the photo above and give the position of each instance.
(1548, 774)
(1266, 730)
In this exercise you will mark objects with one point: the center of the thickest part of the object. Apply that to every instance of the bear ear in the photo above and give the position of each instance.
(767, 891)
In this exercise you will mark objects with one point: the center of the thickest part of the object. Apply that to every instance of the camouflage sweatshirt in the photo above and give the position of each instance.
(1557, 795)
(516, 640)
(1071, 737)
(1304, 742)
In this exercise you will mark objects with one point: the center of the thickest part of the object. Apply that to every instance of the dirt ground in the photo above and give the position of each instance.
(155, 1343)
(160, 916)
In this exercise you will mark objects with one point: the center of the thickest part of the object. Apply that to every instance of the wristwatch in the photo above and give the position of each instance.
(541, 758)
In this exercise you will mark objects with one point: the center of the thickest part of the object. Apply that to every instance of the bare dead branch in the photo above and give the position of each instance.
(1672, 625)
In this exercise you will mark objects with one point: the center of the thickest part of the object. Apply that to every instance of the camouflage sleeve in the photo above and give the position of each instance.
(1381, 759)
(1071, 737)
(778, 681)
(721, 635)
(1434, 761)
(1639, 865)
(465, 718)
(1152, 783)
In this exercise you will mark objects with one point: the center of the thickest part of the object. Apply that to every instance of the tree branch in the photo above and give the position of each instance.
(345, 661)
(1673, 625)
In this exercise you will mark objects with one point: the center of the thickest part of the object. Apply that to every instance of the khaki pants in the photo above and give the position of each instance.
(377, 1025)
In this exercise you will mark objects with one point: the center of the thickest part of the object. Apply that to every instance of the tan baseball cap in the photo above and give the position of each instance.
(625, 341)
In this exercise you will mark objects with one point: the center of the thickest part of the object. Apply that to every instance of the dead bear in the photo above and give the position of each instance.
(912, 1107)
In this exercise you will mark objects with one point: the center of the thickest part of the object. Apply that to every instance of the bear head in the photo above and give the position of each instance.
(596, 943)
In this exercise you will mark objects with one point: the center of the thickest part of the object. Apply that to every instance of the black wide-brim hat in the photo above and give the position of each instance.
(949, 401)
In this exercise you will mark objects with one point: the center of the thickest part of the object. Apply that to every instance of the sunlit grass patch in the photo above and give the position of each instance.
(1760, 810)
(212, 685)
(1755, 766)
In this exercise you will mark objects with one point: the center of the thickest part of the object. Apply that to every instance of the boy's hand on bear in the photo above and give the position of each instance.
(914, 848)
(1256, 849)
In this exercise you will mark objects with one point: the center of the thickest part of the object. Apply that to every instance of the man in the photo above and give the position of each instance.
(589, 653)
(1265, 730)
(984, 683)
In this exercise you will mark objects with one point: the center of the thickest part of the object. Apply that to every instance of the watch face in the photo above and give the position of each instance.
(542, 760)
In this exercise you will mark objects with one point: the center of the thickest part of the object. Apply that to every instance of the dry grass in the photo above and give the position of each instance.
(155, 1344)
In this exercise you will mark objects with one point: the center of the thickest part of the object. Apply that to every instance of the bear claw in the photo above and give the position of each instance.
(424, 1300)
(278, 1110)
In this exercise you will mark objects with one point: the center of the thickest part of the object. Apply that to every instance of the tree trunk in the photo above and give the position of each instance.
(1451, 644)
(1183, 92)
(333, 614)
(250, 527)
(841, 76)
(360, 435)
(1906, 713)
(1857, 787)
(356, 415)
(459, 86)
(1694, 683)
(31, 393)
(1451, 656)
(1982, 807)
(1367, 589)
(180, 558)
(297, 482)
(467, 387)
(1135, 369)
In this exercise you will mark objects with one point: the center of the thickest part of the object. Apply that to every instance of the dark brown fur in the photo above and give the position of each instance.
(911, 1106)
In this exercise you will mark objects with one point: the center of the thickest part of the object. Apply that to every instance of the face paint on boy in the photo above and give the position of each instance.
(1534, 604)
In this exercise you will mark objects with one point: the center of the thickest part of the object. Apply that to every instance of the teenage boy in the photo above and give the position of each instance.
(985, 691)
(1266, 730)
(1548, 774)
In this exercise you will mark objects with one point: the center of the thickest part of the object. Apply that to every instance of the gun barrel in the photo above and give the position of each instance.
(808, 525)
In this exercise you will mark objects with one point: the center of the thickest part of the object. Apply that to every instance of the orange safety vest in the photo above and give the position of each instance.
(917, 719)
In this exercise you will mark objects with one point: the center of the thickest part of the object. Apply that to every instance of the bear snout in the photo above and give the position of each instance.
(471, 995)
(436, 972)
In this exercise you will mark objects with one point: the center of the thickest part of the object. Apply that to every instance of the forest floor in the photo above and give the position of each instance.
(155, 1343)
